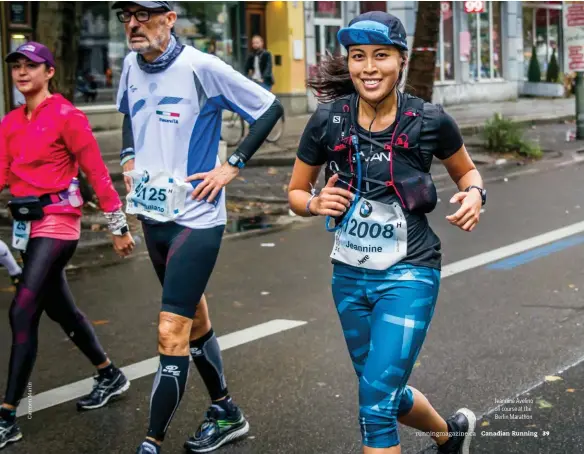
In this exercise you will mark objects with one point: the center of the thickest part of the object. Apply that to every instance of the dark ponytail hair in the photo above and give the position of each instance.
(51, 86)
(333, 80)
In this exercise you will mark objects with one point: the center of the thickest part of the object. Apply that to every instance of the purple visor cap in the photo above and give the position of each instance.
(35, 52)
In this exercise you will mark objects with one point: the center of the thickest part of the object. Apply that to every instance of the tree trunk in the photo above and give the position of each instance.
(422, 63)
(58, 28)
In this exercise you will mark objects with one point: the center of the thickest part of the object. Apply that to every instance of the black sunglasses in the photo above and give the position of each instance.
(142, 15)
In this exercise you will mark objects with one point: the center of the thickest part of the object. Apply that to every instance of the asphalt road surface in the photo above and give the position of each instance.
(507, 329)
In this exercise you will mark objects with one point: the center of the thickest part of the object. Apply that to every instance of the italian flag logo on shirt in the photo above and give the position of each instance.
(163, 113)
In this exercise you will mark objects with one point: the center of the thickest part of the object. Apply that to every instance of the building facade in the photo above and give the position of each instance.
(479, 54)
(215, 27)
(482, 55)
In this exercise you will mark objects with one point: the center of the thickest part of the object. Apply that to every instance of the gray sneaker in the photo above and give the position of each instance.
(9, 433)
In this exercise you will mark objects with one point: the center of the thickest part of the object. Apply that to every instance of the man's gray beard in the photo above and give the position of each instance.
(140, 50)
(154, 44)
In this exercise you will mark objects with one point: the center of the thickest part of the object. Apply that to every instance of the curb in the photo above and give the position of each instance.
(277, 160)
(521, 121)
(476, 128)
(99, 245)
(277, 227)
(106, 245)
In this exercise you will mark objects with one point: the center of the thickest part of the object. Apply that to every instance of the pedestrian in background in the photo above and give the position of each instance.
(258, 65)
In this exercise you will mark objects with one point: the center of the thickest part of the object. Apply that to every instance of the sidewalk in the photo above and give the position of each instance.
(470, 118)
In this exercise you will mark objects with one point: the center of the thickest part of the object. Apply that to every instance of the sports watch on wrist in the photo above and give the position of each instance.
(236, 161)
(482, 191)
(122, 231)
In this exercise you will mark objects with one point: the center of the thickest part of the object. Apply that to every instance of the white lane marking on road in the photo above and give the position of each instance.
(522, 172)
(576, 160)
(75, 390)
(511, 249)
(141, 369)
(507, 251)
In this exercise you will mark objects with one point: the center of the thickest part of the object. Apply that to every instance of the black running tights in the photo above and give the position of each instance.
(44, 288)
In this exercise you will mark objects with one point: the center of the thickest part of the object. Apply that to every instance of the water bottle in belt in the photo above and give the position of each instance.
(74, 193)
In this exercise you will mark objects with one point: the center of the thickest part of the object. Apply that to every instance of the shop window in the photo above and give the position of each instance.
(486, 59)
(542, 29)
(365, 7)
(94, 77)
(445, 51)
(207, 26)
(327, 10)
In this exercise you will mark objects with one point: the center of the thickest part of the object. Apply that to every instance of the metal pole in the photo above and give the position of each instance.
(579, 105)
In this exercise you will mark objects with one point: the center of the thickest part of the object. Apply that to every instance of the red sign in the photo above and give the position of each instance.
(576, 58)
(446, 10)
(474, 7)
(574, 35)
(575, 16)
(326, 7)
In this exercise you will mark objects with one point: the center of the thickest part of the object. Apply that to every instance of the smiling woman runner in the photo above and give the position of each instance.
(42, 145)
(378, 144)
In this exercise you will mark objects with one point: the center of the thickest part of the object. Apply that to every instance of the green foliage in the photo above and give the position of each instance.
(502, 135)
(553, 70)
(534, 73)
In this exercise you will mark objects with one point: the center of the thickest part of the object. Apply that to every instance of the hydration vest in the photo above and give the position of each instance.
(409, 173)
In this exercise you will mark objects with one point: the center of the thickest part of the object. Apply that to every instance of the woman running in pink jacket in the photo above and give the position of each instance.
(42, 145)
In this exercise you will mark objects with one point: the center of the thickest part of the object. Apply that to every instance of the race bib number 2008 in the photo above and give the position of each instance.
(375, 237)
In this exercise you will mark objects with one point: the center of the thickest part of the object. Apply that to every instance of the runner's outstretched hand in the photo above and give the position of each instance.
(467, 216)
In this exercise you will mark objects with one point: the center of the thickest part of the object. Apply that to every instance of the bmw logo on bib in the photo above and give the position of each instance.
(146, 177)
(366, 209)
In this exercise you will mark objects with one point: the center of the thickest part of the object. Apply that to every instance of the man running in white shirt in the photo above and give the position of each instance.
(172, 97)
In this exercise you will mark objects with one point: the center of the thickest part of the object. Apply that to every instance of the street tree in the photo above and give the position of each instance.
(422, 64)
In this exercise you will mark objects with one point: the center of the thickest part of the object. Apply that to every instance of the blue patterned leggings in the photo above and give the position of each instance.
(385, 316)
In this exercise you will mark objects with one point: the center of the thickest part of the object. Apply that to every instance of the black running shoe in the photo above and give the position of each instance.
(103, 390)
(148, 447)
(461, 425)
(217, 429)
(9, 433)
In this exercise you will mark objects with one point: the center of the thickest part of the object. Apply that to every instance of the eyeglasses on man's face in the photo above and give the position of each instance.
(142, 15)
